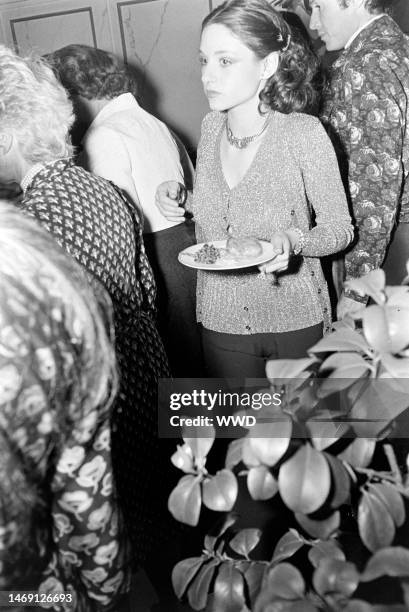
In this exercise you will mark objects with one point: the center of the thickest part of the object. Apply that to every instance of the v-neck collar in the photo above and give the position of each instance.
(253, 164)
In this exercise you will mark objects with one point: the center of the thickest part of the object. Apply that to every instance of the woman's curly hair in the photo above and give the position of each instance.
(34, 107)
(296, 85)
(92, 73)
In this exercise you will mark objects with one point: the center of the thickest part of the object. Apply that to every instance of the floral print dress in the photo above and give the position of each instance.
(60, 530)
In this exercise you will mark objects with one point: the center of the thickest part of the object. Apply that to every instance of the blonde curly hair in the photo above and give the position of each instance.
(34, 108)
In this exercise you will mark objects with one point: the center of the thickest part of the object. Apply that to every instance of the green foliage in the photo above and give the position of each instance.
(327, 478)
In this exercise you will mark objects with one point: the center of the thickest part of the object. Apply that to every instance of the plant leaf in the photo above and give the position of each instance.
(386, 328)
(269, 441)
(220, 527)
(344, 365)
(253, 576)
(245, 540)
(358, 605)
(335, 576)
(341, 482)
(201, 446)
(228, 589)
(319, 529)
(324, 434)
(342, 340)
(183, 459)
(304, 480)
(379, 403)
(372, 285)
(287, 546)
(398, 296)
(375, 524)
(220, 491)
(390, 496)
(359, 453)
(198, 590)
(397, 367)
(285, 581)
(185, 500)
(280, 371)
(390, 561)
(184, 572)
(248, 456)
(261, 483)
(234, 453)
(325, 550)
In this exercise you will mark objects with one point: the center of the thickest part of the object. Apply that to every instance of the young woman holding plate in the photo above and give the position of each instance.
(265, 169)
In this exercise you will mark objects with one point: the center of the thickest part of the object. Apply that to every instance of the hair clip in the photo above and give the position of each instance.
(287, 44)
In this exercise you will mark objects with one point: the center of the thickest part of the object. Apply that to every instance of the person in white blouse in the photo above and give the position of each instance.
(131, 147)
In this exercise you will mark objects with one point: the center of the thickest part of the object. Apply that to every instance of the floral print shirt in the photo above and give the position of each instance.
(366, 112)
(59, 526)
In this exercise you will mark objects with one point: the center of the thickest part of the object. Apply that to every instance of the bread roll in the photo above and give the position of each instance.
(241, 246)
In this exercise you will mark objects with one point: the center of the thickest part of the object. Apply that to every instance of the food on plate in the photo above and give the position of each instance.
(208, 254)
(241, 246)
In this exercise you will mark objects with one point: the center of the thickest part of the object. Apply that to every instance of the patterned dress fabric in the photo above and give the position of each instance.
(92, 221)
(59, 527)
(366, 112)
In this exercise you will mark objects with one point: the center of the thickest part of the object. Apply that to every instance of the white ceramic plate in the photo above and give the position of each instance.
(226, 262)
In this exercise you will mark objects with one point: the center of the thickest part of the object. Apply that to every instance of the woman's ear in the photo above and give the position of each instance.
(270, 65)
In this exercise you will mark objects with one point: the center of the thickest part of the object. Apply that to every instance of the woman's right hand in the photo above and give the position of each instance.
(168, 197)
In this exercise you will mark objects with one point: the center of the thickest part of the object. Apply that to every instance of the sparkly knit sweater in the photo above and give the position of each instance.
(293, 181)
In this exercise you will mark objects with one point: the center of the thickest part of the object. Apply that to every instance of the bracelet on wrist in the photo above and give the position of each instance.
(297, 250)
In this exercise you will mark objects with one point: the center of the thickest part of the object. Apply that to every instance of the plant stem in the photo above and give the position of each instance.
(390, 455)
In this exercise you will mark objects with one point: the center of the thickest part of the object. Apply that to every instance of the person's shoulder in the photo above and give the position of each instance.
(212, 120)
(383, 45)
(299, 124)
(303, 133)
(102, 133)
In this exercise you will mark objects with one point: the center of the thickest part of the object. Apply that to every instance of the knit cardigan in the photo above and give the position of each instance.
(293, 181)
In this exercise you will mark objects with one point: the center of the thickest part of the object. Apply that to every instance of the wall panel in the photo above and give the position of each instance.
(159, 38)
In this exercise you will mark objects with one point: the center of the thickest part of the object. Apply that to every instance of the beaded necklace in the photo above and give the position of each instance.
(242, 143)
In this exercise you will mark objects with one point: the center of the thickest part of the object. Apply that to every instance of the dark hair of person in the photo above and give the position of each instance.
(298, 29)
(92, 73)
(373, 6)
(295, 85)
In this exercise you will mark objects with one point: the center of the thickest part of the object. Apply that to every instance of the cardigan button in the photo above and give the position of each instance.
(248, 327)
(246, 308)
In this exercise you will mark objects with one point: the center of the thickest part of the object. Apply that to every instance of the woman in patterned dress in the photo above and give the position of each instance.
(91, 219)
(60, 531)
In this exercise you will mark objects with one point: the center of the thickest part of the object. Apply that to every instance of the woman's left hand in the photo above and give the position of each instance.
(283, 247)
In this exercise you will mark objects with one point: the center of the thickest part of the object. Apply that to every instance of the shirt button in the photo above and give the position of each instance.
(246, 308)
(248, 327)
(292, 212)
(312, 273)
(325, 309)
(319, 289)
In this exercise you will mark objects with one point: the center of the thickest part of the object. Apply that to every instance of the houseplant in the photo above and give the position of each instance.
(340, 474)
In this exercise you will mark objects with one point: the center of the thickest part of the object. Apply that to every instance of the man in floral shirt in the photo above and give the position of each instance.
(366, 112)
